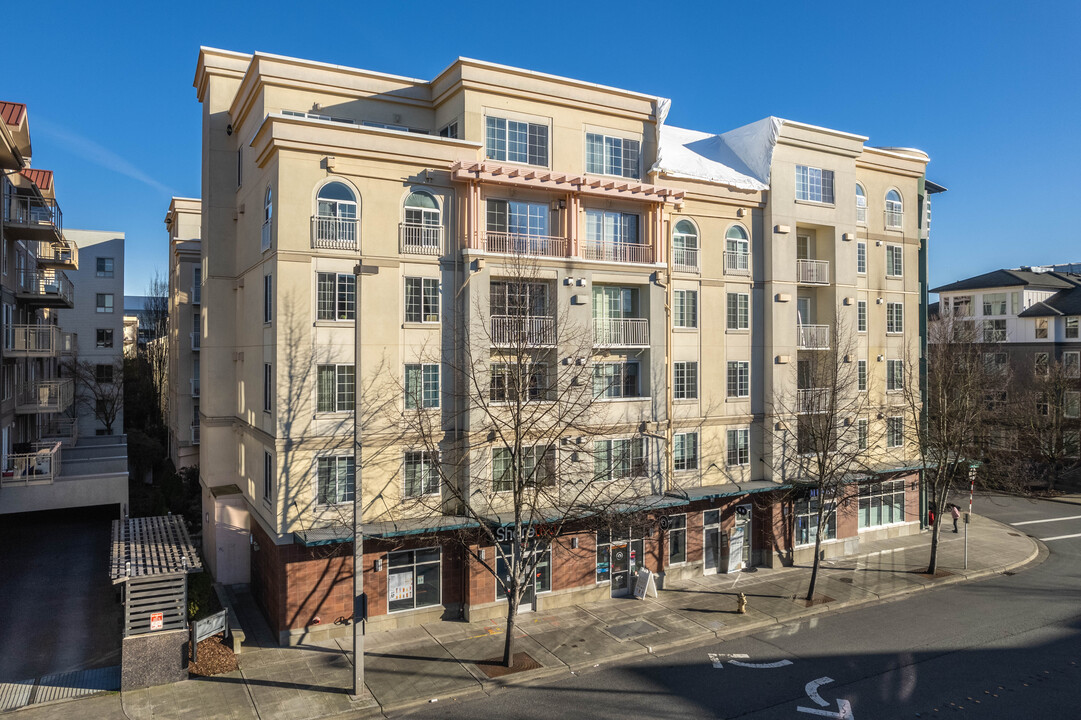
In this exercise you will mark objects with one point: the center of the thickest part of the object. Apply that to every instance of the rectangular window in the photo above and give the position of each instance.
(449, 130)
(421, 475)
(104, 302)
(336, 388)
(1041, 328)
(738, 447)
(421, 386)
(895, 318)
(103, 374)
(962, 306)
(895, 431)
(421, 300)
(994, 331)
(994, 304)
(684, 380)
(739, 379)
(1072, 328)
(739, 312)
(1041, 364)
(268, 298)
(1071, 404)
(104, 338)
(268, 478)
(414, 579)
(538, 468)
(894, 261)
(518, 299)
(268, 387)
(861, 433)
(615, 380)
(1071, 364)
(814, 184)
(994, 362)
(607, 232)
(504, 384)
(861, 375)
(861, 316)
(685, 451)
(612, 156)
(336, 476)
(805, 512)
(517, 219)
(686, 308)
(336, 296)
(895, 375)
(677, 539)
(104, 267)
(613, 459)
(517, 142)
(881, 503)
(861, 258)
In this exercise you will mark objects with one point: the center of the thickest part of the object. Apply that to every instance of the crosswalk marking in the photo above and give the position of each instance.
(1057, 519)
(1061, 537)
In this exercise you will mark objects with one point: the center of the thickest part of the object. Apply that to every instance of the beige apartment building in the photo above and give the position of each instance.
(44, 463)
(688, 272)
(183, 224)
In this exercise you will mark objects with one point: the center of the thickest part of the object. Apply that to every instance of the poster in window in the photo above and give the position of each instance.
(401, 586)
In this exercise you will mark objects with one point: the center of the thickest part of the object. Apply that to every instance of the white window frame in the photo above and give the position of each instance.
(1073, 327)
(268, 478)
(895, 210)
(895, 376)
(895, 318)
(1042, 328)
(861, 205)
(268, 387)
(531, 455)
(737, 447)
(737, 311)
(628, 463)
(685, 451)
(862, 432)
(685, 380)
(895, 431)
(880, 495)
(895, 263)
(814, 185)
(495, 125)
(268, 298)
(806, 509)
(616, 390)
(427, 482)
(344, 473)
(342, 391)
(861, 257)
(738, 379)
(861, 316)
(1071, 404)
(861, 375)
(420, 398)
(608, 146)
(1071, 363)
(427, 289)
(1041, 363)
(685, 310)
(344, 297)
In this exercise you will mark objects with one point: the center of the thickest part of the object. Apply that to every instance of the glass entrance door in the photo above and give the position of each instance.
(621, 569)
(711, 521)
(740, 542)
(542, 581)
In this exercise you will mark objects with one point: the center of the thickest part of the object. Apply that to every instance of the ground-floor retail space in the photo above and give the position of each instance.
(414, 577)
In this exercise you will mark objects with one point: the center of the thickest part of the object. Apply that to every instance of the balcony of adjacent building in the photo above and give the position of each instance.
(22, 341)
(45, 288)
(812, 272)
(617, 318)
(59, 429)
(813, 400)
(195, 433)
(812, 337)
(58, 255)
(59, 473)
(37, 464)
(44, 396)
(523, 331)
(35, 218)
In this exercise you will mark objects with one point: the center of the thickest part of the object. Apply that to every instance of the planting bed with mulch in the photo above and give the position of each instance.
(494, 667)
(215, 658)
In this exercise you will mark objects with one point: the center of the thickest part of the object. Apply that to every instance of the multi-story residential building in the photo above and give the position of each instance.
(185, 307)
(98, 285)
(42, 465)
(705, 267)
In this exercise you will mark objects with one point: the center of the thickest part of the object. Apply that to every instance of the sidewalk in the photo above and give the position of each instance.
(409, 667)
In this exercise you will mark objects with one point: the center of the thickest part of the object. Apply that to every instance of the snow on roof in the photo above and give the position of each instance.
(739, 158)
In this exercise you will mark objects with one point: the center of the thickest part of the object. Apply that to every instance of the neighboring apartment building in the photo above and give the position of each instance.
(185, 302)
(99, 287)
(706, 267)
(1030, 319)
(44, 465)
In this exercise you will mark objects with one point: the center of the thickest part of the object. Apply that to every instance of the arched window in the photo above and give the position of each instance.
(895, 209)
(685, 246)
(335, 223)
(422, 230)
(737, 251)
(861, 204)
(268, 215)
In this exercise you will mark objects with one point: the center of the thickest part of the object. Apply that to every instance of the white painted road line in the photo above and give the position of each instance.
(1061, 537)
(811, 689)
(1032, 522)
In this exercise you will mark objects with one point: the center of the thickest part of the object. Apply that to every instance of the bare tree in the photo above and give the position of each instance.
(525, 449)
(99, 387)
(154, 323)
(1044, 401)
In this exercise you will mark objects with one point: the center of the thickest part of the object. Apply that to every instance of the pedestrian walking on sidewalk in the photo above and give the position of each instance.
(956, 513)
(932, 508)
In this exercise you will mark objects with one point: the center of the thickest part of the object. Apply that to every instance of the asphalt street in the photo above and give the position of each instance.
(1005, 647)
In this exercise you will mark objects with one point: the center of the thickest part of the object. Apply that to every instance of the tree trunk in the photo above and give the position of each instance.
(932, 566)
(818, 554)
(512, 614)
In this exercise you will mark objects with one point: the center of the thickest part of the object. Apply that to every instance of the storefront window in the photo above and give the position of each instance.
(543, 572)
(630, 541)
(806, 512)
(413, 579)
(882, 503)
(677, 539)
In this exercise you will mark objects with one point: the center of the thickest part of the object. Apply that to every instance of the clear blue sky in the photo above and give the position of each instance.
(991, 90)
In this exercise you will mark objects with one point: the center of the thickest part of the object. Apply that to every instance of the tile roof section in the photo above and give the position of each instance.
(42, 178)
(1011, 278)
(12, 113)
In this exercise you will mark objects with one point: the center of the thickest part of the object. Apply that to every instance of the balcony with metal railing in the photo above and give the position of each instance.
(264, 238)
(36, 218)
(58, 255)
(813, 272)
(39, 467)
(31, 341)
(418, 239)
(533, 245)
(519, 330)
(44, 396)
(620, 332)
(812, 400)
(334, 233)
(196, 294)
(195, 341)
(895, 219)
(813, 337)
(49, 288)
(60, 429)
(685, 259)
(618, 251)
(194, 387)
(737, 263)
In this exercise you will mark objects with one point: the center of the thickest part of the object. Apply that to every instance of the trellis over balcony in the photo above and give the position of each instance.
(533, 245)
(813, 272)
(621, 332)
(812, 400)
(418, 239)
(334, 233)
(49, 288)
(39, 467)
(36, 218)
(518, 330)
(44, 396)
(32, 341)
(813, 337)
(58, 255)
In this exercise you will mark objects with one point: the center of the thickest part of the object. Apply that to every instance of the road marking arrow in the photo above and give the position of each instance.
(844, 711)
(718, 660)
(811, 689)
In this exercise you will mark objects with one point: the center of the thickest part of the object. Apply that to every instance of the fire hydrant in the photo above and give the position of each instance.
(741, 604)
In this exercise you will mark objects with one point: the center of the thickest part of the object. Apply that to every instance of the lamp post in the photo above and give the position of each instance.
(360, 605)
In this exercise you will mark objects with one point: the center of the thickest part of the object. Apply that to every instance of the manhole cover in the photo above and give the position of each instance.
(626, 631)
